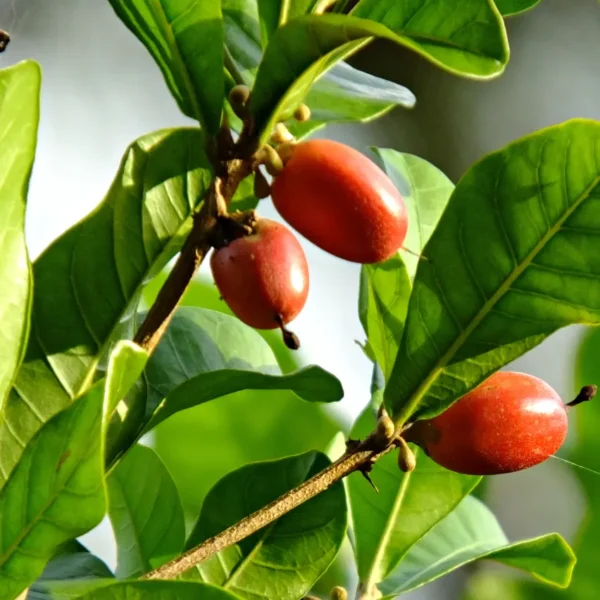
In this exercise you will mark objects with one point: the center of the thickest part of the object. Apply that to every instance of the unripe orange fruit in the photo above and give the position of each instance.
(341, 201)
(512, 421)
(263, 277)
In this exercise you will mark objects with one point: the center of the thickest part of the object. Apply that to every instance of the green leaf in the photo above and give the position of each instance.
(54, 494)
(145, 512)
(134, 590)
(275, 13)
(87, 283)
(56, 491)
(471, 532)
(515, 256)
(426, 191)
(470, 41)
(185, 38)
(509, 8)
(19, 116)
(206, 355)
(344, 94)
(284, 559)
(382, 305)
(306, 48)
(386, 525)
(72, 560)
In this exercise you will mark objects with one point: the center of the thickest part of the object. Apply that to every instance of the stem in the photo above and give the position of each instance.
(323, 5)
(360, 459)
(586, 393)
(231, 67)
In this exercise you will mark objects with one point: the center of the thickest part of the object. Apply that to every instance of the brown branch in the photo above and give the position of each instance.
(360, 459)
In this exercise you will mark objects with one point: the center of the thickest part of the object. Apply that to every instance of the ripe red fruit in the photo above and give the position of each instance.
(341, 201)
(263, 277)
(512, 421)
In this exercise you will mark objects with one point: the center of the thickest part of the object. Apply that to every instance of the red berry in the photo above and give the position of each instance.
(263, 277)
(341, 201)
(512, 421)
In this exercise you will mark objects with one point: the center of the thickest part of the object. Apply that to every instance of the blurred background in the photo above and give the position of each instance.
(101, 90)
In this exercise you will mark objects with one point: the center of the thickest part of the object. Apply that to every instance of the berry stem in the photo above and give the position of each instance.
(586, 393)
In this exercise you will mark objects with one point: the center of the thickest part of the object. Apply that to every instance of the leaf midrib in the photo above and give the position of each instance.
(388, 529)
(464, 335)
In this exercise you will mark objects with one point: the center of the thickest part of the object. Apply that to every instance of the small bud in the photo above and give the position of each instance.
(302, 113)
(262, 189)
(268, 156)
(4, 40)
(286, 150)
(338, 593)
(386, 430)
(406, 457)
(238, 98)
(281, 134)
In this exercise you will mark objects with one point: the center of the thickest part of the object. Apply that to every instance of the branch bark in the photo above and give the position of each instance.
(360, 459)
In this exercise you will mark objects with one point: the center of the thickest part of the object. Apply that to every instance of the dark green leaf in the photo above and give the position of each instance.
(515, 256)
(275, 13)
(343, 94)
(87, 283)
(185, 38)
(386, 525)
(467, 40)
(512, 7)
(304, 49)
(71, 561)
(383, 302)
(426, 191)
(284, 559)
(19, 116)
(145, 512)
(471, 532)
(134, 590)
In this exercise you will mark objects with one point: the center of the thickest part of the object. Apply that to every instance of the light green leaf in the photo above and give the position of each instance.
(383, 301)
(470, 41)
(509, 8)
(185, 38)
(145, 512)
(54, 494)
(284, 559)
(71, 561)
(134, 590)
(515, 256)
(19, 116)
(306, 48)
(56, 491)
(386, 525)
(426, 191)
(471, 532)
(344, 94)
(87, 283)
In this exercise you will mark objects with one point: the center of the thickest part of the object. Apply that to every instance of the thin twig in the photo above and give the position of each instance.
(360, 459)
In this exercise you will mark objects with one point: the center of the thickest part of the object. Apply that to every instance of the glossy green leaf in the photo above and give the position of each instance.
(56, 491)
(134, 590)
(513, 7)
(306, 48)
(426, 191)
(515, 256)
(71, 561)
(344, 94)
(469, 41)
(386, 525)
(145, 512)
(284, 559)
(19, 116)
(471, 532)
(383, 301)
(185, 38)
(54, 494)
(87, 282)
